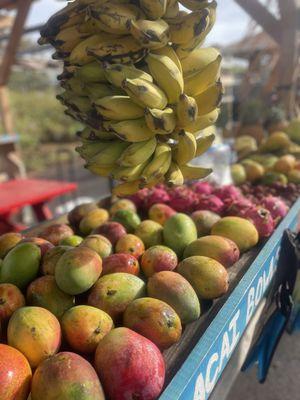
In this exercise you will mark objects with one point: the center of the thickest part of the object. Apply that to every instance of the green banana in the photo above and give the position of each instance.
(150, 34)
(161, 122)
(74, 85)
(144, 93)
(167, 75)
(174, 175)
(187, 110)
(116, 73)
(99, 90)
(160, 163)
(101, 171)
(186, 148)
(109, 155)
(118, 108)
(89, 150)
(191, 172)
(91, 73)
(137, 153)
(134, 130)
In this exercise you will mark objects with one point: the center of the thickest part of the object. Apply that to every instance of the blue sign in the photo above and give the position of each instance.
(199, 374)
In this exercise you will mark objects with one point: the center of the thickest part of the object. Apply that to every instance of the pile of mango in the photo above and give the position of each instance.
(275, 160)
(87, 308)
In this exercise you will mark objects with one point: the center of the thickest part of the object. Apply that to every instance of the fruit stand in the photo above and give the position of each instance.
(195, 364)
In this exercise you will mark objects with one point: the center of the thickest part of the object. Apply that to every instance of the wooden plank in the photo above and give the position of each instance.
(16, 34)
(5, 111)
(263, 17)
(289, 58)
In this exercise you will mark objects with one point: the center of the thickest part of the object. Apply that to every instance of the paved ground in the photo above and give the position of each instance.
(283, 382)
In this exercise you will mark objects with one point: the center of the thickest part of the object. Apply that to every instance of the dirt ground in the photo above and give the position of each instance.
(283, 381)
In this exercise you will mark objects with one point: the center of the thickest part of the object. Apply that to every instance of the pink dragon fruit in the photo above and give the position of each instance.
(238, 207)
(139, 198)
(183, 199)
(276, 206)
(228, 192)
(202, 188)
(210, 203)
(156, 195)
(262, 219)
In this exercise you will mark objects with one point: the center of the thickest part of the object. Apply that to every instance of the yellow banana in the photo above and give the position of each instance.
(189, 27)
(193, 172)
(193, 5)
(150, 34)
(128, 188)
(134, 130)
(154, 9)
(129, 174)
(169, 52)
(114, 49)
(210, 99)
(75, 85)
(116, 73)
(79, 54)
(174, 175)
(198, 59)
(98, 90)
(118, 108)
(203, 121)
(64, 18)
(88, 135)
(161, 122)
(186, 148)
(90, 73)
(89, 150)
(144, 93)
(159, 164)
(109, 155)
(172, 9)
(204, 143)
(187, 110)
(184, 49)
(101, 171)
(198, 82)
(112, 17)
(68, 38)
(137, 153)
(167, 75)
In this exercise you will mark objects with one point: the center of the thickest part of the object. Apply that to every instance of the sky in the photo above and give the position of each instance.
(231, 22)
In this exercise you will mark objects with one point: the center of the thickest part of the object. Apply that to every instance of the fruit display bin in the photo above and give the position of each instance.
(196, 363)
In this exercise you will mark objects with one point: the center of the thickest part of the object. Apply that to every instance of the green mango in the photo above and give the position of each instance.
(179, 231)
(21, 265)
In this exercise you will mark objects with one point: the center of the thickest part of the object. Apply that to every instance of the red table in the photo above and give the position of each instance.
(16, 194)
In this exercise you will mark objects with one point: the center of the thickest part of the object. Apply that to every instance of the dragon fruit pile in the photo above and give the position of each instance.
(265, 211)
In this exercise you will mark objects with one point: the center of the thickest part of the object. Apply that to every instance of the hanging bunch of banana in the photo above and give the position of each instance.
(135, 74)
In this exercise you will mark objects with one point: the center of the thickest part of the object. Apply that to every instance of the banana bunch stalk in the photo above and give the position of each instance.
(135, 75)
